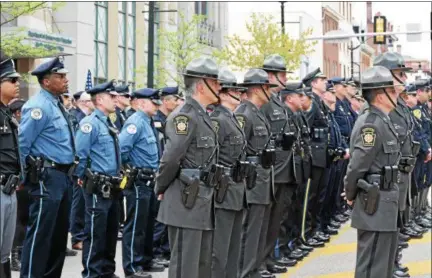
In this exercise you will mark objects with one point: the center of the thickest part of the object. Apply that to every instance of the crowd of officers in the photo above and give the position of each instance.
(232, 181)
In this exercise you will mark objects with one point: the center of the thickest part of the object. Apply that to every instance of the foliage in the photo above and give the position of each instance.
(266, 39)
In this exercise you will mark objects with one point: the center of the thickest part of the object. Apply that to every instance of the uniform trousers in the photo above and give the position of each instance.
(191, 252)
(290, 224)
(226, 243)
(77, 217)
(23, 200)
(318, 202)
(100, 241)
(45, 243)
(8, 214)
(339, 202)
(376, 252)
(317, 185)
(137, 239)
(326, 210)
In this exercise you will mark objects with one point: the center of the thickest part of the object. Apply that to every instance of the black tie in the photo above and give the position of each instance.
(66, 116)
(113, 132)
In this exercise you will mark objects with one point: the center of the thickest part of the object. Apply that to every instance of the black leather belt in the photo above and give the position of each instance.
(57, 166)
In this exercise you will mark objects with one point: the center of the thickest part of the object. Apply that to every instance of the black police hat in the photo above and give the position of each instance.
(391, 61)
(122, 90)
(292, 88)
(77, 95)
(254, 77)
(421, 84)
(148, 93)
(275, 63)
(203, 67)
(54, 65)
(308, 91)
(169, 91)
(330, 87)
(410, 89)
(307, 80)
(107, 87)
(7, 67)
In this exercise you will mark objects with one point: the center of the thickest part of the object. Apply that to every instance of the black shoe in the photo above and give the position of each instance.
(70, 253)
(401, 267)
(314, 243)
(340, 218)
(335, 224)
(162, 261)
(284, 261)
(296, 255)
(399, 273)
(5, 269)
(275, 269)
(139, 274)
(154, 267)
(411, 233)
(305, 247)
(15, 262)
(424, 223)
(113, 276)
(418, 228)
(403, 237)
(403, 244)
(347, 213)
(320, 237)
(331, 231)
(266, 274)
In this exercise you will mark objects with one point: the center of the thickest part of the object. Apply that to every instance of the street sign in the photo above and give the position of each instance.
(413, 37)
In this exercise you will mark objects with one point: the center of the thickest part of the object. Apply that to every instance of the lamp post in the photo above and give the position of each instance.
(150, 57)
(283, 16)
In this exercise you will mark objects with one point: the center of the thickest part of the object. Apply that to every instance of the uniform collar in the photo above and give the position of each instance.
(161, 115)
(49, 96)
(196, 104)
(248, 103)
(377, 111)
(222, 108)
(100, 114)
(143, 115)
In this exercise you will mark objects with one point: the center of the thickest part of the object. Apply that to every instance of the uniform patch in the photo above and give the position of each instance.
(417, 113)
(368, 136)
(215, 125)
(36, 114)
(113, 117)
(240, 120)
(181, 125)
(86, 128)
(131, 129)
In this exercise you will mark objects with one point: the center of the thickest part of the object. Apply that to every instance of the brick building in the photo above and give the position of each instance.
(330, 50)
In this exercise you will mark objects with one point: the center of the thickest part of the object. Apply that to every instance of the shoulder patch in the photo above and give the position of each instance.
(368, 136)
(181, 124)
(215, 125)
(241, 120)
(36, 113)
(113, 117)
(417, 113)
(86, 128)
(131, 129)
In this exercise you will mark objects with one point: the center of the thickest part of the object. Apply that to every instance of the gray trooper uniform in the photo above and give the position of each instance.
(187, 204)
(9, 172)
(229, 203)
(258, 193)
(372, 182)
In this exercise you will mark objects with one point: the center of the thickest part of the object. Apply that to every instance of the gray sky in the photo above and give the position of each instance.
(398, 13)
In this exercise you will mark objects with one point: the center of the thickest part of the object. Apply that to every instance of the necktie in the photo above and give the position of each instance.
(113, 132)
(156, 134)
(66, 116)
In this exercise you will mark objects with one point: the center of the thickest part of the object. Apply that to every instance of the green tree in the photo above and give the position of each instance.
(177, 48)
(266, 39)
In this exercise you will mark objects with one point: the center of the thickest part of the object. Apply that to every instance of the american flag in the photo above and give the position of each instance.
(89, 84)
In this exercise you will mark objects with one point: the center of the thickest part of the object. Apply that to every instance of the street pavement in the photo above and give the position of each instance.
(335, 260)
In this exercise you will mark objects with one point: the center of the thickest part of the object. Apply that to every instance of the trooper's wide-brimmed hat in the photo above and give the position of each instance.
(307, 80)
(276, 63)
(256, 77)
(377, 77)
(202, 67)
(228, 80)
(391, 61)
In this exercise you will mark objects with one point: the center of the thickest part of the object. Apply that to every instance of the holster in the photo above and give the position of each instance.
(239, 170)
(251, 174)
(390, 176)
(370, 197)
(415, 148)
(222, 188)
(90, 182)
(288, 139)
(10, 185)
(268, 158)
(189, 193)
(34, 168)
(131, 174)
(73, 167)
(406, 164)
(214, 175)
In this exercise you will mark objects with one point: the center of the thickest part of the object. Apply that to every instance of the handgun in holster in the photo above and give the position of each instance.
(251, 174)
(91, 181)
(73, 167)
(415, 148)
(34, 168)
(214, 175)
(268, 158)
(239, 170)
(387, 177)
(189, 193)
(131, 174)
(11, 184)
(222, 188)
(288, 139)
(370, 197)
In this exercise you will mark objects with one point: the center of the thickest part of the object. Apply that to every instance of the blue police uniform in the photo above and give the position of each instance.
(45, 132)
(139, 150)
(160, 235)
(98, 150)
(122, 90)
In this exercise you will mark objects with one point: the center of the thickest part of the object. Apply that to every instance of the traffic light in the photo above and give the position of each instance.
(380, 26)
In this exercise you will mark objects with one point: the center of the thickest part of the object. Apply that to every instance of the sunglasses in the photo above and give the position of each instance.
(12, 80)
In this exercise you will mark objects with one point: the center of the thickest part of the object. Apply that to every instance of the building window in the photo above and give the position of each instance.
(201, 7)
(121, 42)
(131, 8)
(101, 42)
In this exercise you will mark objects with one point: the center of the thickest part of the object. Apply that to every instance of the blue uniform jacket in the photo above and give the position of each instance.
(421, 130)
(343, 118)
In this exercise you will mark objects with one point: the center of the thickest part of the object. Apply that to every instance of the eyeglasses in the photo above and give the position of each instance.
(12, 80)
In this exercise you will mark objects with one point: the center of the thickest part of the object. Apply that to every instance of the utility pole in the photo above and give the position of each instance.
(283, 16)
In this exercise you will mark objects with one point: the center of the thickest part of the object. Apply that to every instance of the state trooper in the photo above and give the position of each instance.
(170, 101)
(10, 166)
(259, 152)
(84, 107)
(230, 194)
(46, 142)
(372, 177)
(98, 173)
(317, 117)
(283, 134)
(140, 157)
(188, 174)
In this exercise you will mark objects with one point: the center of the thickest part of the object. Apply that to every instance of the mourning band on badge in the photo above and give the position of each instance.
(241, 120)
(215, 125)
(86, 128)
(36, 114)
(113, 117)
(181, 125)
(131, 129)
(368, 136)
(417, 113)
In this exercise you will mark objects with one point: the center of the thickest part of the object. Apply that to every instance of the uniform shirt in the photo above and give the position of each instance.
(423, 129)
(336, 140)
(343, 118)
(9, 158)
(352, 114)
(44, 130)
(138, 144)
(96, 146)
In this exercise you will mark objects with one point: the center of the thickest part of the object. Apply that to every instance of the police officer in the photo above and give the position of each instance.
(98, 172)
(139, 150)
(10, 170)
(47, 147)
(84, 107)
(230, 195)
(371, 181)
(260, 152)
(184, 184)
(122, 101)
(281, 125)
(317, 117)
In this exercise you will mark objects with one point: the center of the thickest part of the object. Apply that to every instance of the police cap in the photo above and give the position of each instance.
(292, 88)
(330, 87)
(337, 81)
(107, 87)
(54, 65)
(169, 91)
(307, 80)
(275, 63)
(422, 84)
(256, 77)
(122, 90)
(7, 67)
(203, 67)
(148, 93)
(77, 95)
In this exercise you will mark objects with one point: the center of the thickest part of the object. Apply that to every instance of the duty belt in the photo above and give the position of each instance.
(8, 184)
